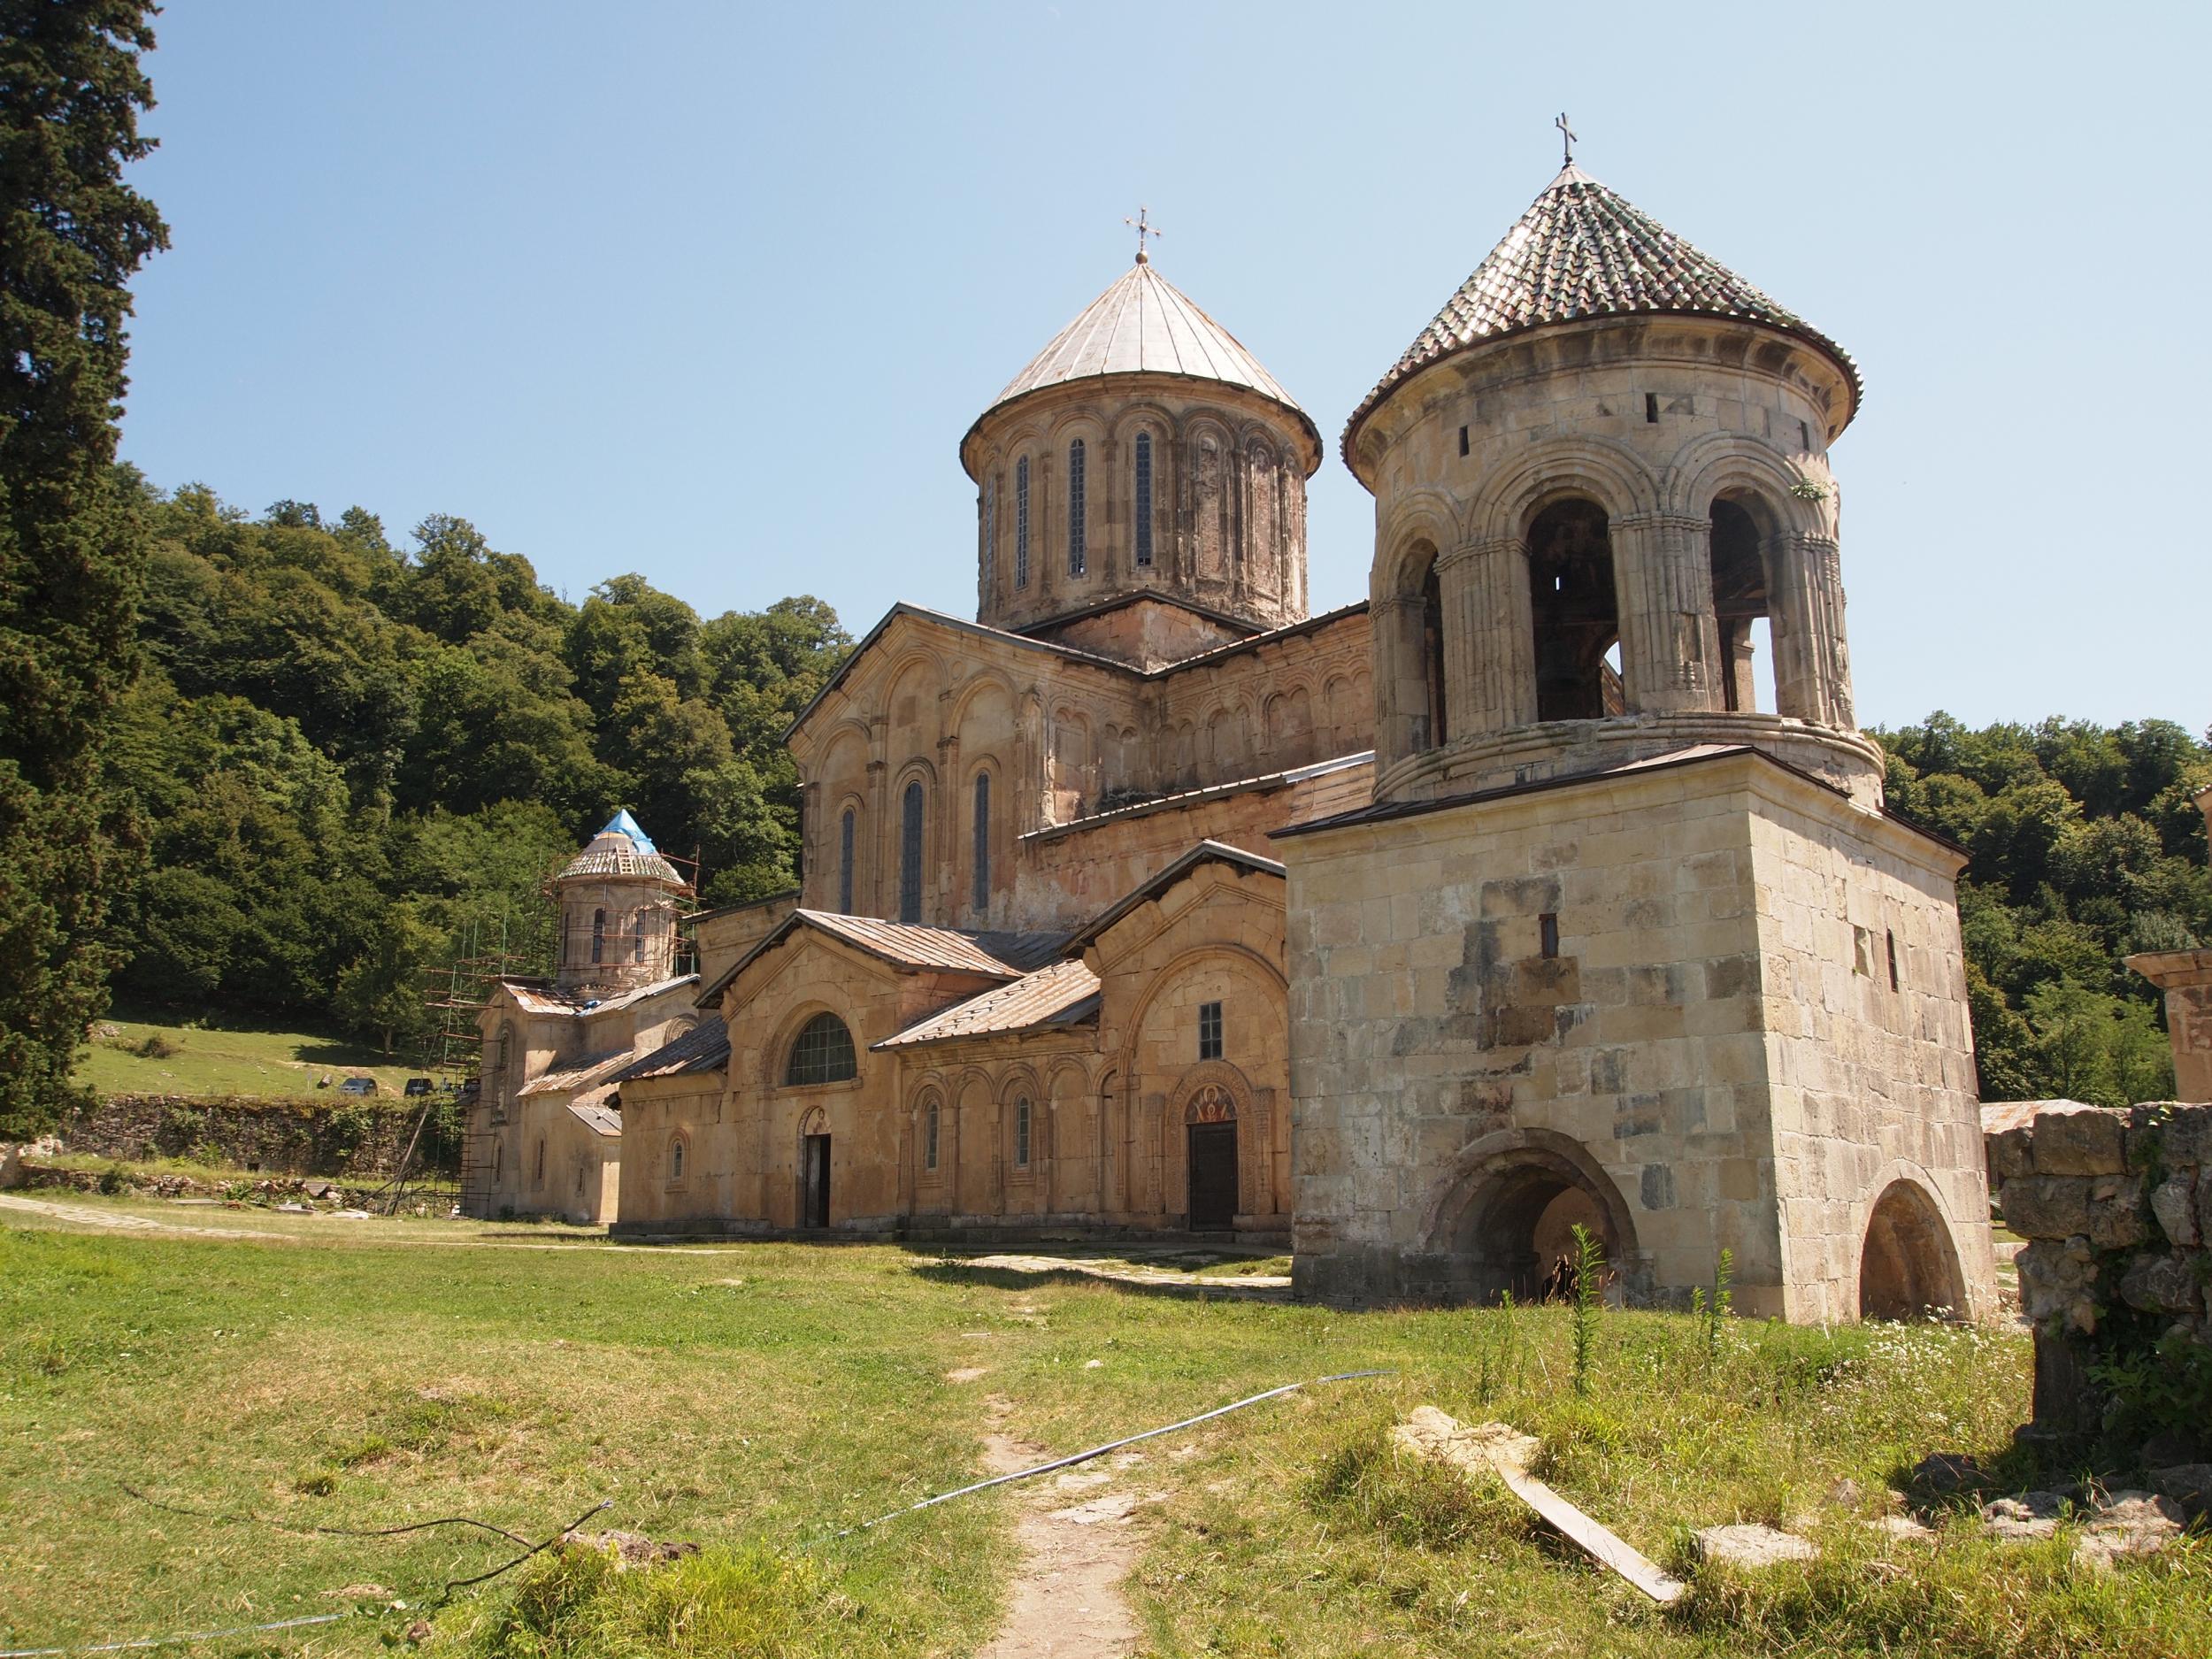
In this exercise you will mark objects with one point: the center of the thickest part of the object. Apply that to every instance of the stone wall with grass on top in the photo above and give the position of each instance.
(277, 1136)
(2117, 1207)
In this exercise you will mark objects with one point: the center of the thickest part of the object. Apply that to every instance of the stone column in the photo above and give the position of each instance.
(1402, 705)
(1812, 668)
(1662, 572)
(1489, 637)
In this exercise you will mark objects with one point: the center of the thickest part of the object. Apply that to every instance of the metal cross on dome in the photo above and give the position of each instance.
(1566, 139)
(1143, 228)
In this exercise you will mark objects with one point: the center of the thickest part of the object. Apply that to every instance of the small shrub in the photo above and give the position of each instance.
(1589, 1303)
(113, 1180)
(153, 1046)
(1370, 1485)
(316, 1483)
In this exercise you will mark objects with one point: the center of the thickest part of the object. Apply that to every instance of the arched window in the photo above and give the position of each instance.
(845, 864)
(990, 534)
(910, 853)
(637, 937)
(539, 1175)
(675, 1158)
(599, 936)
(1576, 612)
(1076, 549)
(929, 1136)
(1432, 654)
(1021, 1133)
(1021, 522)
(499, 1159)
(981, 885)
(1144, 498)
(1740, 604)
(821, 1053)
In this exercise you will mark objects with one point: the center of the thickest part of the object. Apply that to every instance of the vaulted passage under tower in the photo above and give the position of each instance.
(1575, 609)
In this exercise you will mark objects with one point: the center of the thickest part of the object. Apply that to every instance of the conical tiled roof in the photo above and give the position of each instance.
(1145, 324)
(1582, 252)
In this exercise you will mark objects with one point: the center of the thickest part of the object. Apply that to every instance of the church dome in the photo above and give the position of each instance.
(623, 851)
(1144, 324)
(1144, 458)
(1583, 253)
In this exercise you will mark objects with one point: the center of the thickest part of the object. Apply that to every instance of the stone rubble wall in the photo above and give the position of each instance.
(2117, 1207)
(274, 1136)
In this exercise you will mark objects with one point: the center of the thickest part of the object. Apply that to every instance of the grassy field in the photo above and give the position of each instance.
(225, 1059)
(757, 1398)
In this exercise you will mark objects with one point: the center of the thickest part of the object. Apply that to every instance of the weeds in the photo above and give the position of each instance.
(1711, 1313)
(1589, 1303)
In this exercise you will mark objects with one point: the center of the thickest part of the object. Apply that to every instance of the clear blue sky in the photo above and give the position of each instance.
(711, 292)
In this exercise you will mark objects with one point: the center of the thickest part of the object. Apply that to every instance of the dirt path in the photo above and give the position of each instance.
(1134, 1270)
(88, 1216)
(1077, 1548)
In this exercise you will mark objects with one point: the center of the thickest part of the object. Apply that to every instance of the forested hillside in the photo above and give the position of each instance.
(349, 760)
(2086, 846)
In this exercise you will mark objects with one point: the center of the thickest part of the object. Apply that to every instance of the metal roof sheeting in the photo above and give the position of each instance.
(1048, 996)
(1582, 252)
(704, 1047)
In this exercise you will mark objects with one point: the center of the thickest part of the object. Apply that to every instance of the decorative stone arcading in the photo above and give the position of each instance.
(2117, 1209)
(1812, 663)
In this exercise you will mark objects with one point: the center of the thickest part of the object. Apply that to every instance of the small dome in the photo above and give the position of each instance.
(1144, 324)
(622, 848)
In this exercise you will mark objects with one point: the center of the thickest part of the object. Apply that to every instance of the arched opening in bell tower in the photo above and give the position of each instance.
(1742, 605)
(1576, 610)
(1433, 656)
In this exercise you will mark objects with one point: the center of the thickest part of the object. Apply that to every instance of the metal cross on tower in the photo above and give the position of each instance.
(1566, 139)
(1143, 229)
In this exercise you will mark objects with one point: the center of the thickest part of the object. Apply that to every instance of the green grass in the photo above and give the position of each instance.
(225, 1057)
(756, 1398)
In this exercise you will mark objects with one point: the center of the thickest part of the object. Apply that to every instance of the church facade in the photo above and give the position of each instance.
(1147, 904)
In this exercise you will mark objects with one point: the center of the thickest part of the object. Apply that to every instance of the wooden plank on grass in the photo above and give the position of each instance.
(1495, 1449)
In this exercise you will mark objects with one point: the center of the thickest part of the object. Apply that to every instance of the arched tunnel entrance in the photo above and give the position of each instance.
(1509, 1224)
(1908, 1267)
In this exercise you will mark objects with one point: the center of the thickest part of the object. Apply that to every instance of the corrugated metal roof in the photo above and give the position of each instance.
(1205, 852)
(704, 1047)
(1050, 995)
(536, 997)
(1001, 955)
(597, 1069)
(1144, 324)
(599, 1120)
(1582, 252)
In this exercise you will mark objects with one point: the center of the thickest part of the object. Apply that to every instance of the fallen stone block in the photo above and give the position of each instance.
(2188, 1485)
(2128, 1524)
(1752, 1544)
(2032, 1515)
(1904, 1528)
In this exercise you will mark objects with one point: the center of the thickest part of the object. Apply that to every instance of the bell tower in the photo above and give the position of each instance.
(1623, 940)
(1600, 467)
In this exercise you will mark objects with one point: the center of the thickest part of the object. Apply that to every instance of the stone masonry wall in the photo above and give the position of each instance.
(286, 1136)
(2116, 1207)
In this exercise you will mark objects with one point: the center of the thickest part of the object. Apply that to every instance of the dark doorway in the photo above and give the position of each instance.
(1576, 611)
(815, 1167)
(1213, 1175)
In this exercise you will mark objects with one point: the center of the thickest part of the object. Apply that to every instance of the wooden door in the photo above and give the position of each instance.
(1213, 1174)
(816, 1151)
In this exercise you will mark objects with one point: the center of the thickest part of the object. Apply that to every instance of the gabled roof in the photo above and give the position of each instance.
(586, 1075)
(1205, 852)
(1064, 993)
(704, 1047)
(1181, 800)
(601, 1121)
(999, 956)
(1144, 324)
(1582, 252)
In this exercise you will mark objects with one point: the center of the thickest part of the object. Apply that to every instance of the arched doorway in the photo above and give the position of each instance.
(1908, 1269)
(1576, 611)
(814, 1169)
(1508, 1222)
(1211, 1123)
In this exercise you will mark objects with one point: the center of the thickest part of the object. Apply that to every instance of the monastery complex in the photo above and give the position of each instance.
(1149, 905)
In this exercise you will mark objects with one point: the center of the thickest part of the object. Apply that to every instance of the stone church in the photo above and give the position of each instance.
(1410, 935)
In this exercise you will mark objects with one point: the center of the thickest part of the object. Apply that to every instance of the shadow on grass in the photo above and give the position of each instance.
(1001, 1277)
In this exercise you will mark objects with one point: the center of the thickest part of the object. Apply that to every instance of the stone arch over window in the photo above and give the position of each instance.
(1908, 1267)
(847, 855)
(1228, 743)
(1500, 1217)
(822, 1052)
(930, 1128)
(1576, 612)
(679, 1159)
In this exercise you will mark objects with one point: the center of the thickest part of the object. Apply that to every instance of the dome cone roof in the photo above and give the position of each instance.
(1583, 251)
(1144, 324)
(622, 848)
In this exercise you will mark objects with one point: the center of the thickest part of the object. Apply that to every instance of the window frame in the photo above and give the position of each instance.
(1079, 468)
(1021, 522)
(598, 937)
(1142, 518)
(931, 1129)
(1025, 1132)
(913, 838)
(801, 1054)
(979, 848)
(1210, 1030)
(847, 829)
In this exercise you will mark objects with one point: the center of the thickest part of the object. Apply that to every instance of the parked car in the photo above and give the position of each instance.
(358, 1085)
(417, 1086)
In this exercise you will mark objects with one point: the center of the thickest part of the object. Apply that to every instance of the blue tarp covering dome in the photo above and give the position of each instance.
(623, 824)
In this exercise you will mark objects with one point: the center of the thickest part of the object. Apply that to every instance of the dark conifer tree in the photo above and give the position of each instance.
(71, 545)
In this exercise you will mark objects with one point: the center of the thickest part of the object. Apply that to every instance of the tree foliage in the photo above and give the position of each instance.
(2087, 846)
(71, 234)
(358, 763)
